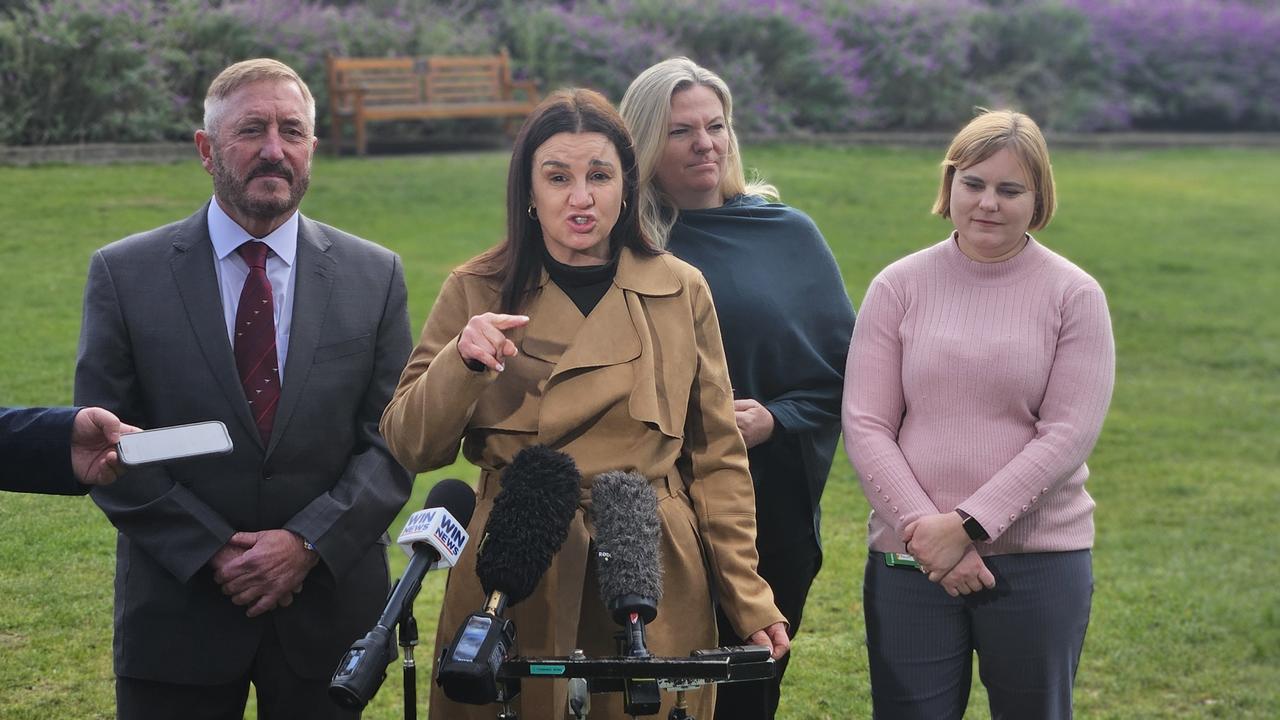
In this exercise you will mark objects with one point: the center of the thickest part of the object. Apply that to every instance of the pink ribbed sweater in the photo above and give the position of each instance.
(981, 386)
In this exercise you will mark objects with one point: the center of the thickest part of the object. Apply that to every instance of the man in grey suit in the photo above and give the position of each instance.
(261, 566)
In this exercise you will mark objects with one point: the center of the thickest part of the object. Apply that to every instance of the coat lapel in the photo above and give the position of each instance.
(192, 264)
(609, 336)
(313, 283)
(606, 337)
(553, 322)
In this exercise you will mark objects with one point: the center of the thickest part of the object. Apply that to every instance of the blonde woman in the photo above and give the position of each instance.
(784, 317)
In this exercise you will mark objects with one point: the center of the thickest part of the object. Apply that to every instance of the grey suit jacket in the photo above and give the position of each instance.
(154, 350)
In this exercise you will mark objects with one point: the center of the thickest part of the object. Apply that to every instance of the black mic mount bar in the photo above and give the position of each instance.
(619, 674)
(608, 674)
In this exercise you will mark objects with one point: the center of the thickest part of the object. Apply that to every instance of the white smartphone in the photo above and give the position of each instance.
(174, 443)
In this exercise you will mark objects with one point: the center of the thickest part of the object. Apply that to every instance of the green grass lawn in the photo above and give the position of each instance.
(1186, 614)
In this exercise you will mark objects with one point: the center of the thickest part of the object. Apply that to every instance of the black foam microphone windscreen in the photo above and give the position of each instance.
(529, 521)
(624, 511)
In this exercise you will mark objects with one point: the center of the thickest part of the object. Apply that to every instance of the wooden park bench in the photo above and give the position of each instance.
(364, 90)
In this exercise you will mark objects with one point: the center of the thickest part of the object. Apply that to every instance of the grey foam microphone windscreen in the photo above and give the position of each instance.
(624, 510)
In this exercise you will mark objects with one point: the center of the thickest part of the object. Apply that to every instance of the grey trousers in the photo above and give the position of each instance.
(1028, 632)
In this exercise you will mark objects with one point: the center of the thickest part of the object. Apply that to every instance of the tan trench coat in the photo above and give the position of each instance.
(639, 385)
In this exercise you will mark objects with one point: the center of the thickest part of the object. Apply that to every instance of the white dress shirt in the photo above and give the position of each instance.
(227, 236)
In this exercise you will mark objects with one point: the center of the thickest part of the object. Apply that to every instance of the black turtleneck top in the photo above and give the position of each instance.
(584, 285)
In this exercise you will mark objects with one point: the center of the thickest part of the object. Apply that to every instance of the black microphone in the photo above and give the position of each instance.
(624, 511)
(528, 524)
(435, 536)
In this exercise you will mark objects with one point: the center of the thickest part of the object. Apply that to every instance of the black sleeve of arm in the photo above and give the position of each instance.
(35, 451)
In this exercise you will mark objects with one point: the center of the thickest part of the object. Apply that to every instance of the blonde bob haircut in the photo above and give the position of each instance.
(247, 72)
(989, 133)
(646, 108)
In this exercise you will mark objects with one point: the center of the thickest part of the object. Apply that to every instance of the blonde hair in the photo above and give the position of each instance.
(646, 107)
(247, 72)
(989, 133)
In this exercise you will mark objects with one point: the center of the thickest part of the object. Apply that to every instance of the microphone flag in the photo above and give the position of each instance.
(436, 527)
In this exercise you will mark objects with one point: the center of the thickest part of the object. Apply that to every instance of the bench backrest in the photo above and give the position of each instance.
(460, 79)
(385, 81)
(438, 79)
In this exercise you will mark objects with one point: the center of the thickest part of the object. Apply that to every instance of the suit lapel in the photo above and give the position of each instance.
(197, 282)
(313, 282)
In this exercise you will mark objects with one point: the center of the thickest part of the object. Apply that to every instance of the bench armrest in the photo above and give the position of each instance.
(530, 88)
(348, 96)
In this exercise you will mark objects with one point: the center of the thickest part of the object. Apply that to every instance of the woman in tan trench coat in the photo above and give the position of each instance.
(615, 359)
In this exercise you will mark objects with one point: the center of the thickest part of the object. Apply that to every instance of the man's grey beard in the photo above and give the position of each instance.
(234, 191)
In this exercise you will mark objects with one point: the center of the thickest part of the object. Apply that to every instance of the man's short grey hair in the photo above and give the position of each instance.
(247, 72)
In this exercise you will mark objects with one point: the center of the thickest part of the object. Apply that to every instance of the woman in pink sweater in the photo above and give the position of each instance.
(977, 381)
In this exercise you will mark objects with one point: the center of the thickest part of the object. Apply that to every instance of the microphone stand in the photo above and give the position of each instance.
(681, 709)
(408, 634)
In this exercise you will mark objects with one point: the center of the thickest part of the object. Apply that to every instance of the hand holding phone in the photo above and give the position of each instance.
(177, 442)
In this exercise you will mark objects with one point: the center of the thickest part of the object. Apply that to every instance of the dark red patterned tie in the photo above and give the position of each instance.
(255, 345)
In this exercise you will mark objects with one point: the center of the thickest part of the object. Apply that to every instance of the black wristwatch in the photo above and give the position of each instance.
(972, 527)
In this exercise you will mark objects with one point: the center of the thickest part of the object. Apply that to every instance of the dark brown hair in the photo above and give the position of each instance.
(517, 260)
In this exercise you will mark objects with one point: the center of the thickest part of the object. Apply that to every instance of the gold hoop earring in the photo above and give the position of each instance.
(532, 212)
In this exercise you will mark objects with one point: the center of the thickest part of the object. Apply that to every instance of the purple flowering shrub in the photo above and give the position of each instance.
(1190, 64)
(81, 71)
(1039, 57)
(777, 56)
(1072, 64)
(915, 58)
(131, 70)
(587, 46)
